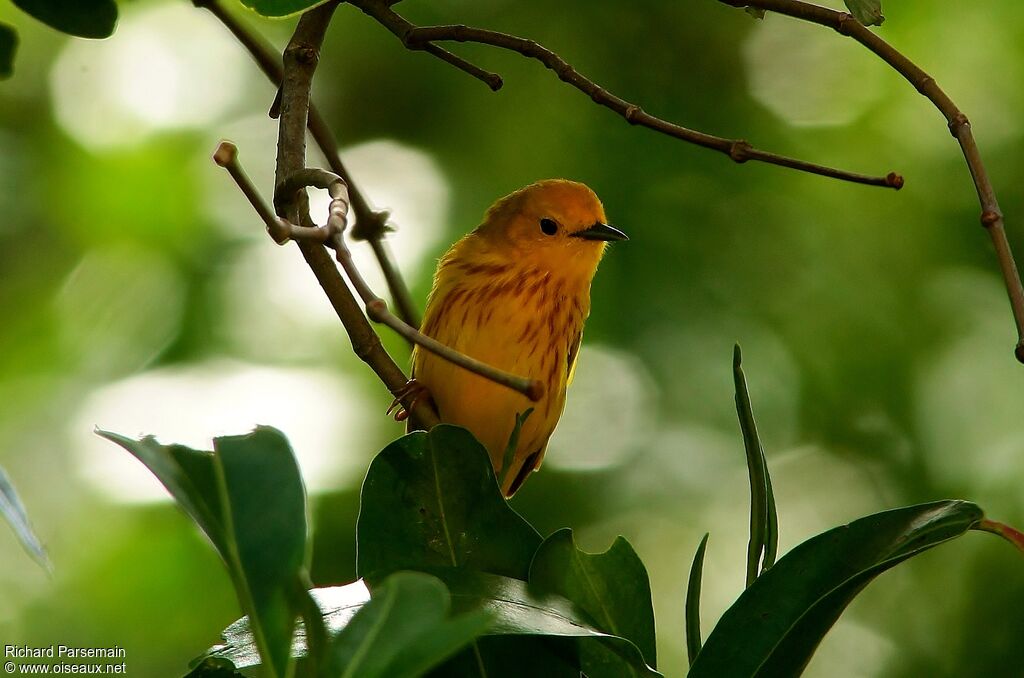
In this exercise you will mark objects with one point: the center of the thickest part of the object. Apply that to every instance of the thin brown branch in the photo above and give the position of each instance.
(492, 80)
(300, 61)
(365, 342)
(371, 224)
(740, 151)
(991, 216)
(377, 308)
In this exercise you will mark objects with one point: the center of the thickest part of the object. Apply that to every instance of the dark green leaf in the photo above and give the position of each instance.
(248, 498)
(693, 640)
(868, 12)
(763, 520)
(189, 475)
(776, 624)
(84, 18)
(337, 604)
(403, 631)
(612, 588)
(514, 657)
(312, 621)
(280, 8)
(14, 512)
(214, 667)
(8, 47)
(771, 545)
(431, 500)
(265, 516)
(509, 606)
(517, 610)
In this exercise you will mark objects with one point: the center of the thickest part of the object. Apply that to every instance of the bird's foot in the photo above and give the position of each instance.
(412, 392)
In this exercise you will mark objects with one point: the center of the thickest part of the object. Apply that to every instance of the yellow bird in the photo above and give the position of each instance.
(515, 293)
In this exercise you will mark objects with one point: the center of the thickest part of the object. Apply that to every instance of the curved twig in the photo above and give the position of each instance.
(739, 150)
(300, 61)
(377, 308)
(991, 216)
(332, 234)
(371, 224)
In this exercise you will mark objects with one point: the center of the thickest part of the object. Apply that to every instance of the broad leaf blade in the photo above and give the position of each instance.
(547, 626)
(776, 624)
(265, 517)
(338, 604)
(14, 512)
(868, 12)
(189, 475)
(612, 588)
(518, 611)
(281, 8)
(8, 48)
(403, 631)
(431, 500)
(84, 18)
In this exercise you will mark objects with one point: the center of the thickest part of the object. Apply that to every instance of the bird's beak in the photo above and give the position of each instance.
(600, 231)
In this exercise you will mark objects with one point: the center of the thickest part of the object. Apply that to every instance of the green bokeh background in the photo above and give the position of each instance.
(877, 339)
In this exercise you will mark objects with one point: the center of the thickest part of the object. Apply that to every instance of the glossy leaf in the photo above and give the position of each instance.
(16, 516)
(761, 548)
(248, 497)
(8, 48)
(514, 656)
(776, 624)
(868, 12)
(612, 588)
(403, 631)
(431, 500)
(526, 631)
(83, 18)
(517, 610)
(264, 504)
(337, 604)
(280, 8)
(693, 639)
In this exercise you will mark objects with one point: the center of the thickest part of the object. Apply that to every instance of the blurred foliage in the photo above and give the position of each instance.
(12, 510)
(875, 321)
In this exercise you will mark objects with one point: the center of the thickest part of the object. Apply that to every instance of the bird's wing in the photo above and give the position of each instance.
(574, 352)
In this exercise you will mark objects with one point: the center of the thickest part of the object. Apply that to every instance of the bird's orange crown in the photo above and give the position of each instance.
(555, 224)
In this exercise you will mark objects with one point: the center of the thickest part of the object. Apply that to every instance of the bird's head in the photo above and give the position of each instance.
(555, 224)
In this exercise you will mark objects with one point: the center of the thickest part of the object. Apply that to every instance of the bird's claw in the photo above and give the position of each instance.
(413, 391)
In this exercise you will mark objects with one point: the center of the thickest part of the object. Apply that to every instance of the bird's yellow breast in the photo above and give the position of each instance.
(518, 318)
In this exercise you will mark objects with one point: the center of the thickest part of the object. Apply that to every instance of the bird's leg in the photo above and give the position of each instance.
(413, 391)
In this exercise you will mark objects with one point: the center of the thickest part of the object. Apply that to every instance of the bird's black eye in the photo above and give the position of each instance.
(548, 226)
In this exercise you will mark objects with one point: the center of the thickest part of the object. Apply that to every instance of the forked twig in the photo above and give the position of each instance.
(991, 216)
(371, 224)
(739, 150)
(331, 234)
